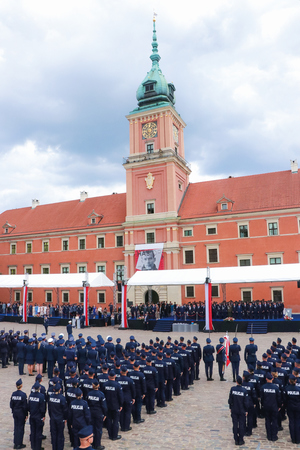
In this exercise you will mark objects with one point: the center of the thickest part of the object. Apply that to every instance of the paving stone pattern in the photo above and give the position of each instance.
(198, 419)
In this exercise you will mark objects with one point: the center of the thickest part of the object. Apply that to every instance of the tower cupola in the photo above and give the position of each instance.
(154, 91)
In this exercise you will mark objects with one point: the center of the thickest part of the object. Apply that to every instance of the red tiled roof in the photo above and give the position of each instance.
(263, 192)
(66, 215)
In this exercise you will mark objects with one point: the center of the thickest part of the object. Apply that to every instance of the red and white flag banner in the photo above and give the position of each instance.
(86, 305)
(25, 291)
(208, 309)
(226, 345)
(124, 306)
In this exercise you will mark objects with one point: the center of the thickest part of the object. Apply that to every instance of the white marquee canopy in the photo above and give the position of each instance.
(248, 274)
(56, 280)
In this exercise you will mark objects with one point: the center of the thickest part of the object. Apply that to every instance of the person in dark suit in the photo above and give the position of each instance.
(208, 358)
(238, 406)
(234, 357)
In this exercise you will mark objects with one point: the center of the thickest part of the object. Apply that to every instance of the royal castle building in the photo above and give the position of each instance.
(243, 221)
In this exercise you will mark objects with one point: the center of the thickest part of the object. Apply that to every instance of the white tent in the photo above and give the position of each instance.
(56, 280)
(248, 274)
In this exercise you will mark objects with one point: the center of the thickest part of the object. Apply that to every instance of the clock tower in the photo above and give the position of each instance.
(157, 173)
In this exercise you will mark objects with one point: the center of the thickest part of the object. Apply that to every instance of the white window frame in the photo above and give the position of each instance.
(100, 236)
(101, 264)
(81, 265)
(149, 143)
(43, 243)
(26, 248)
(62, 297)
(28, 267)
(150, 202)
(30, 294)
(119, 263)
(277, 288)
(45, 266)
(245, 256)
(64, 266)
(188, 229)
(186, 288)
(242, 224)
(275, 255)
(218, 286)
(246, 290)
(116, 236)
(101, 292)
(224, 206)
(183, 254)
(62, 244)
(213, 225)
(11, 247)
(212, 247)
(15, 296)
(82, 238)
(46, 293)
(10, 268)
(146, 234)
(272, 221)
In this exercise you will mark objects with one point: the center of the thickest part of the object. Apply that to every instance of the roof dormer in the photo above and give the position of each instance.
(224, 204)
(94, 218)
(8, 228)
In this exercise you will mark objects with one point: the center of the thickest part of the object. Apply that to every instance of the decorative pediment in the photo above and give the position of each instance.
(94, 218)
(224, 204)
(8, 228)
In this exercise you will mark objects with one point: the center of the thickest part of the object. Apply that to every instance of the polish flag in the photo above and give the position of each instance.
(124, 306)
(208, 310)
(86, 304)
(227, 344)
(25, 290)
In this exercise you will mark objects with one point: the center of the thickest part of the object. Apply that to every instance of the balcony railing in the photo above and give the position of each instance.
(157, 154)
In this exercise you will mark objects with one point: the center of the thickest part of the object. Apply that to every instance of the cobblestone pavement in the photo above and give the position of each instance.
(198, 419)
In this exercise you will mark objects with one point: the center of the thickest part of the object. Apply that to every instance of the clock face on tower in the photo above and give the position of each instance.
(149, 130)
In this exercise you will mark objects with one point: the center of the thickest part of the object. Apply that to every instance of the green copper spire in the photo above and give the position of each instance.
(154, 91)
(155, 56)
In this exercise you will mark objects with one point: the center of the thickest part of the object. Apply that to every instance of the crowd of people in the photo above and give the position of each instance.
(269, 389)
(237, 310)
(97, 382)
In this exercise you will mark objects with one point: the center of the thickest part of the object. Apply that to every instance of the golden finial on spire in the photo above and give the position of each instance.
(154, 16)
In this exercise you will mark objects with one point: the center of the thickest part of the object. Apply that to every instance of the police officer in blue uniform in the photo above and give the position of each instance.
(21, 353)
(208, 358)
(292, 403)
(58, 412)
(234, 357)
(129, 394)
(86, 437)
(151, 376)
(37, 410)
(79, 414)
(197, 355)
(250, 353)
(238, 404)
(140, 391)
(221, 358)
(271, 403)
(97, 403)
(114, 396)
(19, 409)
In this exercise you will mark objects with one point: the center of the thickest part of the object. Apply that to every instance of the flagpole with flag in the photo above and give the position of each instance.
(86, 288)
(124, 306)
(25, 292)
(208, 308)
(227, 344)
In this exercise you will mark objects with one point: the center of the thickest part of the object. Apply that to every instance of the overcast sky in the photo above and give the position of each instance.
(69, 71)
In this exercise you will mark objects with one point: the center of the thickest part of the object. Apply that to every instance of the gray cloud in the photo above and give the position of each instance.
(69, 72)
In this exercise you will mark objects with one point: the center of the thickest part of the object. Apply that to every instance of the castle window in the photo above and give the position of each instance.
(273, 228)
(119, 240)
(28, 247)
(150, 148)
(224, 206)
(190, 291)
(150, 237)
(81, 244)
(13, 249)
(150, 208)
(149, 87)
(243, 231)
(65, 244)
(215, 290)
